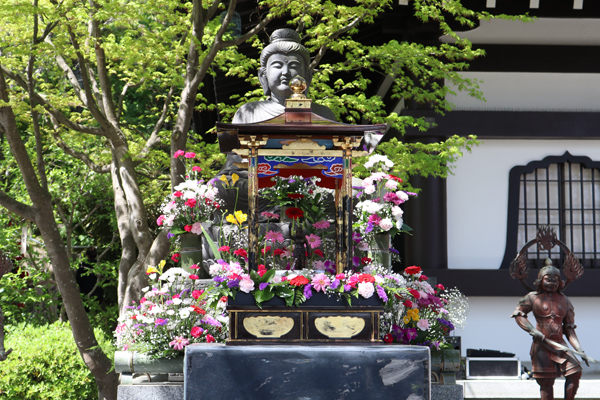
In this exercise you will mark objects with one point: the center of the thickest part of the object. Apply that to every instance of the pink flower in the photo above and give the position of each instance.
(269, 215)
(374, 218)
(323, 224)
(210, 338)
(313, 240)
(246, 284)
(197, 228)
(340, 277)
(189, 155)
(187, 228)
(366, 289)
(190, 203)
(423, 324)
(177, 194)
(196, 168)
(194, 277)
(178, 153)
(196, 331)
(197, 293)
(320, 282)
(386, 224)
(274, 236)
(160, 220)
(224, 249)
(179, 342)
(194, 266)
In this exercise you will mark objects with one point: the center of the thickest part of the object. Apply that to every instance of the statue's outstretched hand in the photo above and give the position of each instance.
(3, 354)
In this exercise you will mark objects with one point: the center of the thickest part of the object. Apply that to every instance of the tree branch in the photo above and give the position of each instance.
(211, 11)
(16, 207)
(122, 96)
(100, 169)
(335, 34)
(154, 139)
(249, 34)
(60, 117)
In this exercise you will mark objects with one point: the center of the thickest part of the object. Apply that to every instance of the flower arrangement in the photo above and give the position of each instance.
(379, 209)
(192, 203)
(415, 312)
(173, 313)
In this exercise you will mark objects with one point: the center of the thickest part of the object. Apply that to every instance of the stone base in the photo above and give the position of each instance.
(447, 392)
(374, 372)
(158, 391)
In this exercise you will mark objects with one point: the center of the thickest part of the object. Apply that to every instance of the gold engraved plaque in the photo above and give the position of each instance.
(340, 327)
(268, 327)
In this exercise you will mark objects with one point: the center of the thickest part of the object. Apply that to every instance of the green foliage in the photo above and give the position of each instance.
(45, 364)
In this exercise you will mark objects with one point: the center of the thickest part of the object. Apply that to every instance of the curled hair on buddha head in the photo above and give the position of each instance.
(549, 269)
(284, 41)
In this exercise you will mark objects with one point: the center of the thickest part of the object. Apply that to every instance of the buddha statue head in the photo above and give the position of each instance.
(283, 59)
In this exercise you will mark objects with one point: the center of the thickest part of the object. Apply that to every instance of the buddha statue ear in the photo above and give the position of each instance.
(262, 77)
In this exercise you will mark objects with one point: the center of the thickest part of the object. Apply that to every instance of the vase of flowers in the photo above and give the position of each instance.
(381, 250)
(173, 313)
(191, 254)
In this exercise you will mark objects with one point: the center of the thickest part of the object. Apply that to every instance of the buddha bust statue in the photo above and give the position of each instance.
(282, 60)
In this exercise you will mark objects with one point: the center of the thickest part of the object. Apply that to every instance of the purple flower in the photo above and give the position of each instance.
(334, 285)
(307, 291)
(292, 181)
(168, 302)
(207, 319)
(218, 279)
(263, 285)
(220, 261)
(411, 194)
(233, 283)
(449, 324)
(411, 333)
(131, 307)
(381, 293)
(160, 321)
(356, 237)
(369, 227)
(170, 235)
(393, 250)
(347, 288)
(358, 187)
(356, 261)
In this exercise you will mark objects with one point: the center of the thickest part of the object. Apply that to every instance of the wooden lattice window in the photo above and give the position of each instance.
(563, 192)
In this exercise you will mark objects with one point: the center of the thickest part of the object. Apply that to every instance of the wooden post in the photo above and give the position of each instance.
(347, 201)
(339, 228)
(252, 204)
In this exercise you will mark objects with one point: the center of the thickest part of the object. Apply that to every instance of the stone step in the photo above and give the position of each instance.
(524, 389)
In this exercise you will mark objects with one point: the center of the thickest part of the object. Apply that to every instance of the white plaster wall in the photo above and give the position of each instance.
(521, 91)
(478, 196)
(489, 326)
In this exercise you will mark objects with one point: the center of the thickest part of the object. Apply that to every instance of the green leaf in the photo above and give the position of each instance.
(263, 295)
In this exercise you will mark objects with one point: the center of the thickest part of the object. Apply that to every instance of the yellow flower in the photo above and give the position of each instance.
(406, 319)
(161, 264)
(234, 178)
(240, 216)
(416, 318)
(151, 270)
(224, 179)
(231, 219)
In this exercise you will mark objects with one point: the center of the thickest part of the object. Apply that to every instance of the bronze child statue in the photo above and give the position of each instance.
(555, 316)
(301, 248)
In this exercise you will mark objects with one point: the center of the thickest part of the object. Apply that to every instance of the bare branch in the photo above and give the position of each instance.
(122, 96)
(249, 34)
(88, 215)
(154, 139)
(16, 207)
(211, 11)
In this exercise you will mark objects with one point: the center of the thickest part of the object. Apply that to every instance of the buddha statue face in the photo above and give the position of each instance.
(281, 61)
(280, 70)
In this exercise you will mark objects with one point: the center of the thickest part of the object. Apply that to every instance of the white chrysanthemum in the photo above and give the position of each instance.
(175, 272)
(187, 301)
(215, 269)
(371, 207)
(397, 212)
(177, 301)
(402, 195)
(386, 224)
(170, 312)
(184, 313)
(145, 289)
(157, 310)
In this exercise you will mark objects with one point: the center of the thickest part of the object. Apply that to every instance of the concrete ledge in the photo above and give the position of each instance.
(527, 389)
(158, 391)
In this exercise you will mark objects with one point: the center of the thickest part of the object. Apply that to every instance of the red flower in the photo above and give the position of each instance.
(318, 252)
(266, 249)
(365, 260)
(299, 281)
(412, 270)
(388, 338)
(194, 266)
(415, 293)
(407, 303)
(194, 277)
(143, 300)
(177, 194)
(133, 317)
(210, 338)
(175, 257)
(224, 299)
(196, 168)
(175, 296)
(279, 252)
(217, 205)
(295, 196)
(394, 178)
(261, 272)
(294, 213)
(225, 249)
(196, 331)
(197, 293)
(190, 203)
(199, 310)
(187, 228)
(423, 278)
(241, 253)
(362, 278)
(440, 286)
(261, 267)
